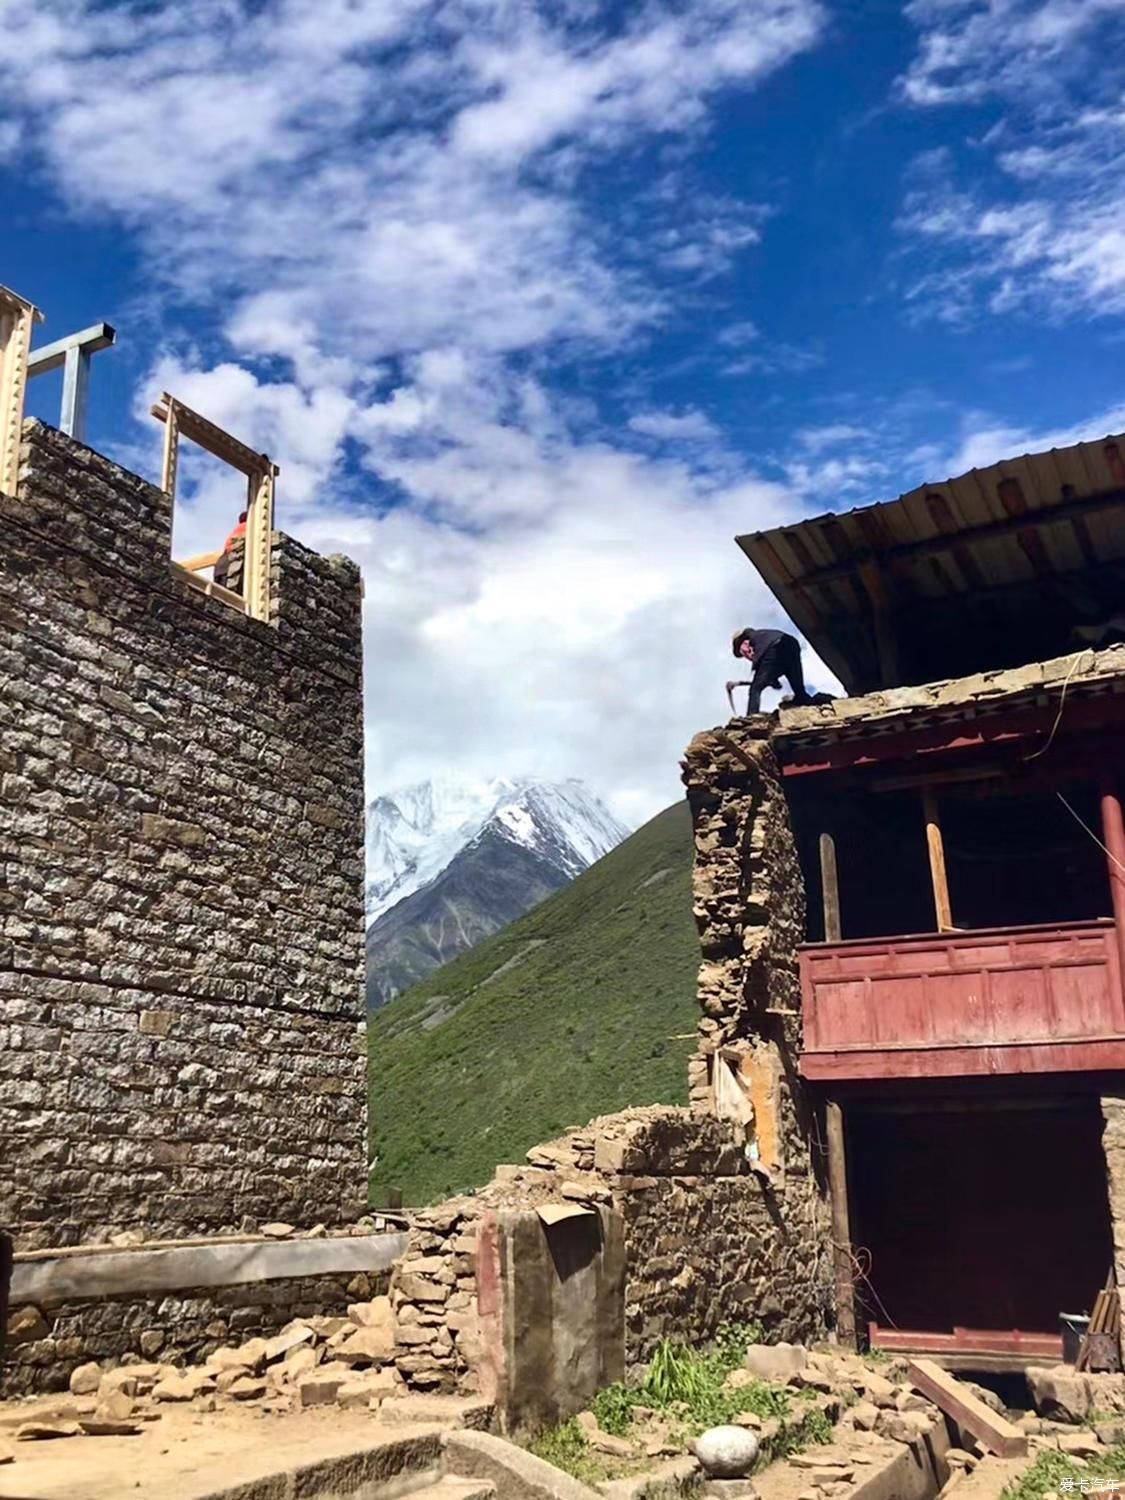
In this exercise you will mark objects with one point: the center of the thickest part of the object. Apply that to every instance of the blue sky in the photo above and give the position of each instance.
(538, 304)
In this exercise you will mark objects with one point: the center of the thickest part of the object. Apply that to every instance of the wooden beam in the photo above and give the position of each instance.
(841, 1225)
(201, 560)
(869, 743)
(936, 848)
(875, 587)
(153, 1268)
(962, 1060)
(991, 1430)
(830, 889)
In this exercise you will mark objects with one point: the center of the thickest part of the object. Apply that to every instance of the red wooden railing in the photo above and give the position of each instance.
(1005, 1000)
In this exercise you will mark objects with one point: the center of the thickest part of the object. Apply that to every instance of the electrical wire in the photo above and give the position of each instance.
(1081, 821)
(1058, 717)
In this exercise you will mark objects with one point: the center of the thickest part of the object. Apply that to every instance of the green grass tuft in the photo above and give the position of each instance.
(685, 1387)
(1053, 1471)
(584, 1006)
(565, 1446)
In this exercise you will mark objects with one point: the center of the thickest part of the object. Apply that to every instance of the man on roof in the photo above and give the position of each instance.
(775, 655)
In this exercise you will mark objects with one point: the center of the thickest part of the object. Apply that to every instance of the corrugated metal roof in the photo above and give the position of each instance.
(1044, 516)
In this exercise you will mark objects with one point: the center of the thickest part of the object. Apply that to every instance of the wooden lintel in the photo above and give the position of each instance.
(212, 438)
(841, 1225)
(991, 1430)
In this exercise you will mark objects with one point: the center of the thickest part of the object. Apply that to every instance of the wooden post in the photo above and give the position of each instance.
(16, 320)
(1113, 837)
(841, 1225)
(936, 850)
(830, 889)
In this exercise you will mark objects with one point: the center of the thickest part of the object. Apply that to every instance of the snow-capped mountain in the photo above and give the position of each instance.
(450, 861)
(413, 834)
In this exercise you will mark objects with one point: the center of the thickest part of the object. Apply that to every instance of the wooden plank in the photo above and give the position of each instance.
(936, 850)
(841, 1225)
(991, 1430)
(828, 1065)
(201, 560)
(830, 887)
(122, 1273)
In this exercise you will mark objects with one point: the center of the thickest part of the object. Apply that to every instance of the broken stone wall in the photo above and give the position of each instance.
(181, 923)
(706, 1241)
(750, 911)
(177, 1328)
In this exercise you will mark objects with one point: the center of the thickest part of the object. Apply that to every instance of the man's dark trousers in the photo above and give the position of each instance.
(782, 659)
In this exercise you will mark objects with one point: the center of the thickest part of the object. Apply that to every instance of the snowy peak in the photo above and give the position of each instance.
(415, 833)
(563, 821)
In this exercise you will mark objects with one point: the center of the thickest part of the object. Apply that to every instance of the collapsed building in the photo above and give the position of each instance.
(907, 1114)
(938, 860)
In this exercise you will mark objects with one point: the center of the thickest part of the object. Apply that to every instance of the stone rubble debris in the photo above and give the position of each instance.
(312, 1362)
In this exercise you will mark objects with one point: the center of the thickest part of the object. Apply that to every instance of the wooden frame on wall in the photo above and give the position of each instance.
(261, 473)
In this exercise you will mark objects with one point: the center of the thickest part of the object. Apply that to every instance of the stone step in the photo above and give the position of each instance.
(453, 1487)
(450, 1411)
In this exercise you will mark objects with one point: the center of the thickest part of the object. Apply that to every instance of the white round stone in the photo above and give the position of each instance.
(727, 1452)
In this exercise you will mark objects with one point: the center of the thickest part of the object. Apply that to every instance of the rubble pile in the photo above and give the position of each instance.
(320, 1361)
(434, 1298)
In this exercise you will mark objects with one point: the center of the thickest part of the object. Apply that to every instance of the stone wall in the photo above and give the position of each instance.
(178, 1328)
(181, 922)
(750, 910)
(706, 1241)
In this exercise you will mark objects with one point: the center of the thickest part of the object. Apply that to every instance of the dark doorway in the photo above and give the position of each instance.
(979, 1216)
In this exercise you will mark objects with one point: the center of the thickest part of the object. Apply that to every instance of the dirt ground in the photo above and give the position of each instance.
(185, 1455)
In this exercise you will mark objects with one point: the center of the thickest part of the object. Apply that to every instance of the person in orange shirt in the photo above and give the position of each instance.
(222, 566)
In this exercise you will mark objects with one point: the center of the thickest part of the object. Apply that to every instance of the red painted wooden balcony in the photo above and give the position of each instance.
(1003, 1000)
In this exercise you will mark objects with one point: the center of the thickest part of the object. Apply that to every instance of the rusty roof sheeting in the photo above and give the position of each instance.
(948, 539)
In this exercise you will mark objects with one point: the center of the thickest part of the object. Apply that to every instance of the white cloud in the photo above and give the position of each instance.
(1041, 224)
(381, 205)
(606, 598)
(669, 426)
(831, 435)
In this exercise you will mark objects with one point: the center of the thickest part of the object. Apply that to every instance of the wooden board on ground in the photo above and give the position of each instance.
(991, 1430)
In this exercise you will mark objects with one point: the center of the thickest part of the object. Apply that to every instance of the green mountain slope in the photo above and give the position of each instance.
(583, 1006)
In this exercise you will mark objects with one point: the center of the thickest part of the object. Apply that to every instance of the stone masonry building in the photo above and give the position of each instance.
(911, 903)
(181, 922)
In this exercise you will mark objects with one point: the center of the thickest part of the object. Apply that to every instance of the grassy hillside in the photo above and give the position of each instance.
(577, 1009)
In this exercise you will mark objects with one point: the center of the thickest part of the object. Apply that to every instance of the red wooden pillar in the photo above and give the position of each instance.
(1113, 836)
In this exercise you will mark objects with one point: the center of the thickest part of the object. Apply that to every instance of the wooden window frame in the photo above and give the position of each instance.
(179, 420)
